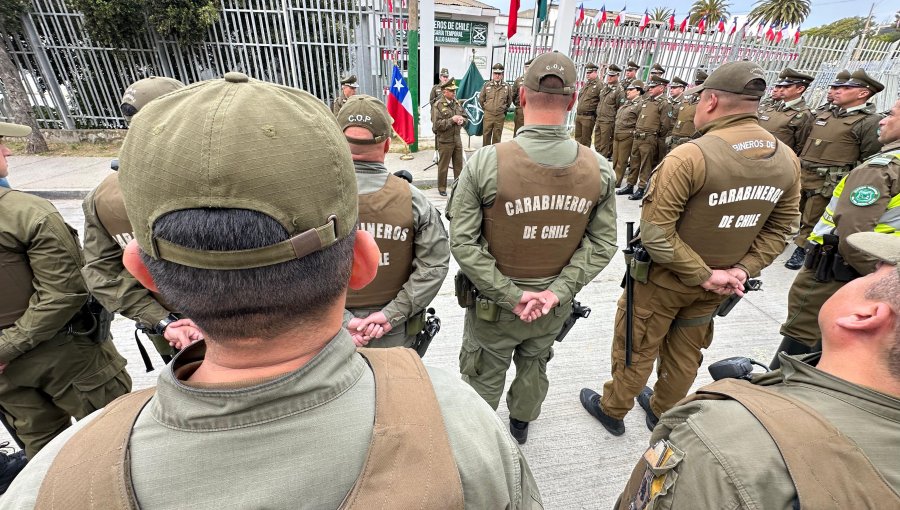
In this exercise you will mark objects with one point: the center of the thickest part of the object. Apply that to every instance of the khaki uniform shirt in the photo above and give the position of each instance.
(865, 132)
(495, 97)
(444, 128)
(612, 97)
(731, 462)
(431, 249)
(32, 226)
(680, 176)
(518, 84)
(588, 97)
(298, 440)
(477, 188)
(106, 276)
(655, 116)
(796, 130)
(338, 103)
(627, 115)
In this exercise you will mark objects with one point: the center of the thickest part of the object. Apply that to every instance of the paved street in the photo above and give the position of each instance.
(576, 463)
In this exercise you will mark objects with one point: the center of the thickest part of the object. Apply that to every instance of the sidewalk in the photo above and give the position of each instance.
(72, 178)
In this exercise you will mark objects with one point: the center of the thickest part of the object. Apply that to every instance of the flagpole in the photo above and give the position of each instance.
(534, 29)
(469, 135)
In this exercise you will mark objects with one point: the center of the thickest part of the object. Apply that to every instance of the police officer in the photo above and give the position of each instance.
(840, 78)
(553, 231)
(656, 71)
(676, 92)
(631, 70)
(626, 118)
(348, 89)
(106, 233)
(495, 98)
(683, 129)
(839, 140)
(811, 435)
(653, 124)
(448, 118)
(55, 364)
(789, 118)
(586, 111)
(868, 199)
(519, 119)
(611, 98)
(415, 255)
(436, 89)
(718, 211)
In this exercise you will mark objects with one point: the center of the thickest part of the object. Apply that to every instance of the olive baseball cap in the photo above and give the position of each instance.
(366, 112)
(884, 247)
(551, 64)
(141, 92)
(239, 143)
(734, 77)
(860, 79)
(10, 129)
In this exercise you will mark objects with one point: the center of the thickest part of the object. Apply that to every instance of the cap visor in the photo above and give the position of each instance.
(695, 90)
(9, 129)
(884, 247)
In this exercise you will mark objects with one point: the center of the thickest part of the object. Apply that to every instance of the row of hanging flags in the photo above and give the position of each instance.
(703, 24)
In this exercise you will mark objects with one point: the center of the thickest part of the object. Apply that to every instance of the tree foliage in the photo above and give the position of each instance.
(846, 28)
(791, 12)
(10, 14)
(660, 14)
(117, 23)
(186, 20)
(712, 9)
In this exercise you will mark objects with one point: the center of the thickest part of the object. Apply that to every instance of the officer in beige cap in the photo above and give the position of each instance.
(718, 211)
(519, 118)
(611, 97)
(348, 89)
(653, 125)
(586, 110)
(57, 362)
(494, 98)
(253, 233)
(631, 70)
(449, 117)
(683, 129)
(549, 203)
(106, 233)
(626, 118)
(415, 256)
(840, 139)
(811, 435)
(789, 118)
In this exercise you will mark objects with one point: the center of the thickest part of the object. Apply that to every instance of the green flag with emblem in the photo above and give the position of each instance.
(469, 88)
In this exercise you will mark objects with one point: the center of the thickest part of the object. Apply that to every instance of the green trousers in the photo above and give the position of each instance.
(805, 299)
(63, 378)
(489, 348)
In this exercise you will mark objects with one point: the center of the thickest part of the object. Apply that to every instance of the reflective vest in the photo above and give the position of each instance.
(889, 223)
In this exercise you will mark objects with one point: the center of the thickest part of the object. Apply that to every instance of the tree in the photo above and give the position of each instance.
(660, 14)
(791, 12)
(13, 88)
(846, 28)
(712, 9)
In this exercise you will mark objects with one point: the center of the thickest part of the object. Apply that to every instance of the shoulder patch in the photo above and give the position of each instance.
(657, 478)
(881, 160)
(864, 196)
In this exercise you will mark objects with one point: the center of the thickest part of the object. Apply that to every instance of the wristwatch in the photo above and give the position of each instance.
(161, 326)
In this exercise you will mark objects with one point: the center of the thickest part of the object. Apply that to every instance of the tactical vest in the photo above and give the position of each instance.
(387, 215)
(778, 122)
(15, 280)
(409, 463)
(536, 222)
(110, 207)
(810, 447)
(722, 220)
(684, 121)
(648, 120)
(888, 223)
(831, 141)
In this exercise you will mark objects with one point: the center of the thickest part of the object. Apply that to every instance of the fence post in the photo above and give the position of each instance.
(848, 51)
(50, 78)
(291, 43)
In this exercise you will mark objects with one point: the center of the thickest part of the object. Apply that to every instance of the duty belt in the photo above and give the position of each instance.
(641, 136)
(589, 114)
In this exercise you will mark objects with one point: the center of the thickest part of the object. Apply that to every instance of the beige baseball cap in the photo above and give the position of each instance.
(366, 112)
(11, 129)
(141, 92)
(884, 247)
(239, 143)
(734, 77)
(551, 64)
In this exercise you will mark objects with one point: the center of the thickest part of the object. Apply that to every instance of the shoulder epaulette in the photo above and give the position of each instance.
(884, 159)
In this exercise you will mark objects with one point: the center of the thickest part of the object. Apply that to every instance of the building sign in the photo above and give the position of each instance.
(448, 32)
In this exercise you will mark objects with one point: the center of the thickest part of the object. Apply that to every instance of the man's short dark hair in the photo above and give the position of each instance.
(887, 290)
(260, 302)
(128, 110)
(545, 100)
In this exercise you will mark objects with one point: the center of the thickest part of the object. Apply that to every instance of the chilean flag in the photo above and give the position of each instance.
(619, 17)
(721, 26)
(513, 24)
(601, 17)
(399, 106)
(701, 26)
(797, 36)
(580, 17)
(684, 23)
(733, 27)
(780, 34)
(644, 21)
(770, 34)
(672, 21)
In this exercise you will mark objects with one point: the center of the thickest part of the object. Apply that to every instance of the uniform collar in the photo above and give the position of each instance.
(369, 167)
(865, 107)
(793, 102)
(728, 121)
(891, 146)
(544, 132)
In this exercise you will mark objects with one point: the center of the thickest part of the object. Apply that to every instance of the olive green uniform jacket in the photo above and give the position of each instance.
(431, 259)
(298, 440)
(731, 462)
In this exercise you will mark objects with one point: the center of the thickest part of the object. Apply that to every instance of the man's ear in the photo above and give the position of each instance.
(131, 258)
(870, 316)
(365, 260)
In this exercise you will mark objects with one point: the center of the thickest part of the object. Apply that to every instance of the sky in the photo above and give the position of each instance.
(822, 11)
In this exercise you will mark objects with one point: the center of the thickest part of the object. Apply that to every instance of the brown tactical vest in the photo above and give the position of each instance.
(684, 121)
(536, 221)
(648, 121)
(15, 280)
(387, 215)
(831, 141)
(722, 220)
(409, 464)
(779, 124)
(110, 207)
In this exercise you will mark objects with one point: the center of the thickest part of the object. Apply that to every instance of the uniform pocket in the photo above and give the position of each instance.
(470, 359)
(91, 391)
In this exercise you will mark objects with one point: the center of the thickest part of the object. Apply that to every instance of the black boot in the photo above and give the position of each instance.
(643, 399)
(637, 195)
(591, 402)
(626, 190)
(519, 430)
(796, 259)
(792, 347)
(10, 465)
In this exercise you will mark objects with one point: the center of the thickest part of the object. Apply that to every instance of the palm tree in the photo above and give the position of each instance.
(712, 9)
(791, 12)
(660, 14)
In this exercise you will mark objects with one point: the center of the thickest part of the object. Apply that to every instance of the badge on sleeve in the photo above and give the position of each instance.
(864, 196)
(657, 478)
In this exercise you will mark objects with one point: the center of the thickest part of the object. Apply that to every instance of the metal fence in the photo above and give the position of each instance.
(76, 83)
